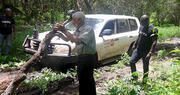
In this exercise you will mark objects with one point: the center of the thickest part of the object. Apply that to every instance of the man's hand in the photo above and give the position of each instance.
(133, 47)
(148, 55)
(59, 27)
(56, 27)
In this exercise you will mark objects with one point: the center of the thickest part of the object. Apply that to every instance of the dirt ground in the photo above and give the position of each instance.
(71, 87)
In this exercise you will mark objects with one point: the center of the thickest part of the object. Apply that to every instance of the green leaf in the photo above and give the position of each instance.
(174, 51)
(161, 53)
(178, 1)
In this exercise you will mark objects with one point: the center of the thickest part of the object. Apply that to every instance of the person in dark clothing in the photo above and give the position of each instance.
(7, 25)
(85, 49)
(143, 47)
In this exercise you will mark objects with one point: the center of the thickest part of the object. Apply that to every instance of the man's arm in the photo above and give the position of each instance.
(59, 34)
(152, 47)
(154, 37)
(72, 37)
(67, 35)
(14, 31)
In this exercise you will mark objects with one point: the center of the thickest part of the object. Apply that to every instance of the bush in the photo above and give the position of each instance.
(168, 32)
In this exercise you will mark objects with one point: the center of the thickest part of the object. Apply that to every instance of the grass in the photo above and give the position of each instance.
(168, 32)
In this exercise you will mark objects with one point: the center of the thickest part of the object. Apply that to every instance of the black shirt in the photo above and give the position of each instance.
(146, 38)
(6, 25)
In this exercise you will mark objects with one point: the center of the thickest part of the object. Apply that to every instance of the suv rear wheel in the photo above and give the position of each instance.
(130, 50)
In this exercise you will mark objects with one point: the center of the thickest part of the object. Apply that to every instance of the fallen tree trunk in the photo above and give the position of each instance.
(21, 75)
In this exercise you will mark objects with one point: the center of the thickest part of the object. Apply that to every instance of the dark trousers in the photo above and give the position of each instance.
(85, 69)
(8, 39)
(135, 57)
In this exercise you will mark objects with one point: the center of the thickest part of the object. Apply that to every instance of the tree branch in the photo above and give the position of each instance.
(21, 75)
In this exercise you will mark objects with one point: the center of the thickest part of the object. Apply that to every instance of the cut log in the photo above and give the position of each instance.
(21, 75)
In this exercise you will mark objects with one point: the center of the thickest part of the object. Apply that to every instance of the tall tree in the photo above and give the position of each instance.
(89, 7)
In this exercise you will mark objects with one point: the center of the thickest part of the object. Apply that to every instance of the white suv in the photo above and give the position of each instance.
(114, 35)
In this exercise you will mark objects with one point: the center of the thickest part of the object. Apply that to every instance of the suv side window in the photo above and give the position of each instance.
(123, 25)
(110, 25)
(133, 24)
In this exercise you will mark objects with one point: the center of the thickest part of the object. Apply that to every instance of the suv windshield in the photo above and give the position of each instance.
(94, 23)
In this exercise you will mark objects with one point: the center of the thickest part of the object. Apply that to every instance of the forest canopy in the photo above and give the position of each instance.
(50, 11)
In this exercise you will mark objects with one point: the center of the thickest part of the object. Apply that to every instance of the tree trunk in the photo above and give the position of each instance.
(79, 5)
(4, 4)
(178, 13)
(89, 7)
(21, 76)
(52, 17)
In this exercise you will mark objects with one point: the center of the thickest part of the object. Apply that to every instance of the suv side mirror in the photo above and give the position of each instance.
(106, 32)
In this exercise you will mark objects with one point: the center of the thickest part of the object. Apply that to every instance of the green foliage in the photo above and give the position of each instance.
(166, 81)
(22, 32)
(48, 11)
(38, 11)
(97, 74)
(47, 76)
(6, 59)
(168, 32)
(161, 53)
(122, 63)
(174, 51)
(160, 11)
(124, 59)
(10, 62)
(178, 1)
(12, 65)
(123, 87)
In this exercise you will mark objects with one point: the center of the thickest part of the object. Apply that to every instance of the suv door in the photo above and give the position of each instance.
(106, 48)
(126, 34)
